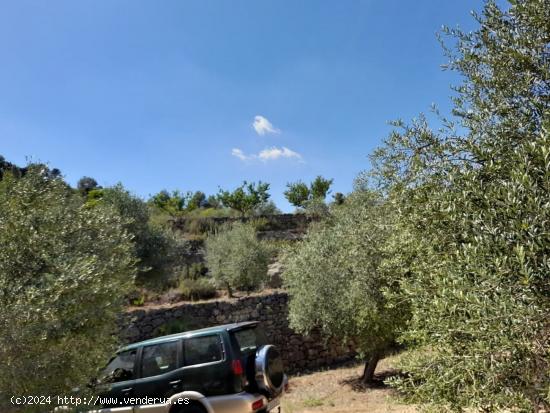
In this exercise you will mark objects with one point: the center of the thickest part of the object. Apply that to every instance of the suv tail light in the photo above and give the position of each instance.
(237, 367)
(258, 404)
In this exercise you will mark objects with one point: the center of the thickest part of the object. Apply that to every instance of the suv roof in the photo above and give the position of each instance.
(192, 333)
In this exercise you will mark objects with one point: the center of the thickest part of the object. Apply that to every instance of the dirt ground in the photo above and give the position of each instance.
(339, 390)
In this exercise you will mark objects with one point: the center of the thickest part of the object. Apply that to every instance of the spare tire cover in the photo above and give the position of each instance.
(269, 369)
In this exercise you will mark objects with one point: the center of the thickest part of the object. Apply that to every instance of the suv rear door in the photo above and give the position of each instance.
(159, 370)
(245, 341)
(207, 367)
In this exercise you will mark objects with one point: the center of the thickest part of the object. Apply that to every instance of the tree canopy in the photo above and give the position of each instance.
(300, 195)
(154, 245)
(473, 195)
(59, 266)
(86, 184)
(337, 281)
(246, 197)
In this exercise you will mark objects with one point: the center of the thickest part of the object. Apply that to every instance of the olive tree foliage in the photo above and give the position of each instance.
(64, 273)
(337, 279)
(266, 208)
(473, 197)
(155, 246)
(236, 259)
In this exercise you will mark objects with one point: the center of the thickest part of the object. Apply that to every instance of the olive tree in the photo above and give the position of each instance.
(236, 259)
(64, 273)
(337, 281)
(473, 195)
(155, 247)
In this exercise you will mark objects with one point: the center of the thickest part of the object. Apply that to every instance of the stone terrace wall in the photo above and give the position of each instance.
(299, 352)
(276, 227)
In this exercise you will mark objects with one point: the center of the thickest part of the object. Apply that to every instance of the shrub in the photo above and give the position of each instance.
(267, 208)
(195, 271)
(236, 259)
(197, 289)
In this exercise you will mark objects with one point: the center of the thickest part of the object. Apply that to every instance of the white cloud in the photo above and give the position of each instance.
(276, 153)
(262, 126)
(239, 154)
(268, 154)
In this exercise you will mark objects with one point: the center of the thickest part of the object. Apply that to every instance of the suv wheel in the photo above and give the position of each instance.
(269, 370)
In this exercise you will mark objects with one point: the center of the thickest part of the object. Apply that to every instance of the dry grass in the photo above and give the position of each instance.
(339, 391)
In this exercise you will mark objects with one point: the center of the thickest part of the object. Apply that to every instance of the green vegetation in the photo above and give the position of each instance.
(245, 198)
(467, 246)
(154, 245)
(170, 203)
(337, 282)
(236, 259)
(86, 184)
(302, 196)
(64, 272)
(313, 402)
(197, 289)
(339, 198)
(443, 246)
(477, 207)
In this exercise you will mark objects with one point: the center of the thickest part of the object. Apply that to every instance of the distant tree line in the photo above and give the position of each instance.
(248, 199)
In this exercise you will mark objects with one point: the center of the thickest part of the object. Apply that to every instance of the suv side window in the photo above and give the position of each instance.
(204, 349)
(120, 368)
(159, 359)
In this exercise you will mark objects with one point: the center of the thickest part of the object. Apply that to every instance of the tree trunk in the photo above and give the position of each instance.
(370, 367)
(229, 290)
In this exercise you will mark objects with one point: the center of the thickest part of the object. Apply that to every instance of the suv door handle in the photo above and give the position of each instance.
(175, 382)
(127, 390)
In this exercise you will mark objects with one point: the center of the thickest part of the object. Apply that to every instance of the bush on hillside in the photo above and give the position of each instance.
(197, 289)
(236, 259)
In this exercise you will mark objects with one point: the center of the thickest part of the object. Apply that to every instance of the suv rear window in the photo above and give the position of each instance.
(199, 350)
(250, 338)
(159, 359)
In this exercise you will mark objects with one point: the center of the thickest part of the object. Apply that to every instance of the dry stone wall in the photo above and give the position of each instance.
(299, 352)
(290, 227)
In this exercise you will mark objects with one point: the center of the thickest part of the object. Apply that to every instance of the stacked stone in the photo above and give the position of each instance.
(300, 352)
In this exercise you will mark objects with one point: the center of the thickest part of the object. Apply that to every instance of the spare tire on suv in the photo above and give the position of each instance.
(269, 370)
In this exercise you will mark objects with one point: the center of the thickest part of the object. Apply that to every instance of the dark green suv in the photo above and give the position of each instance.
(228, 368)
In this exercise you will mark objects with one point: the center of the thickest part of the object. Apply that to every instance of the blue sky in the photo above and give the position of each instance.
(164, 94)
